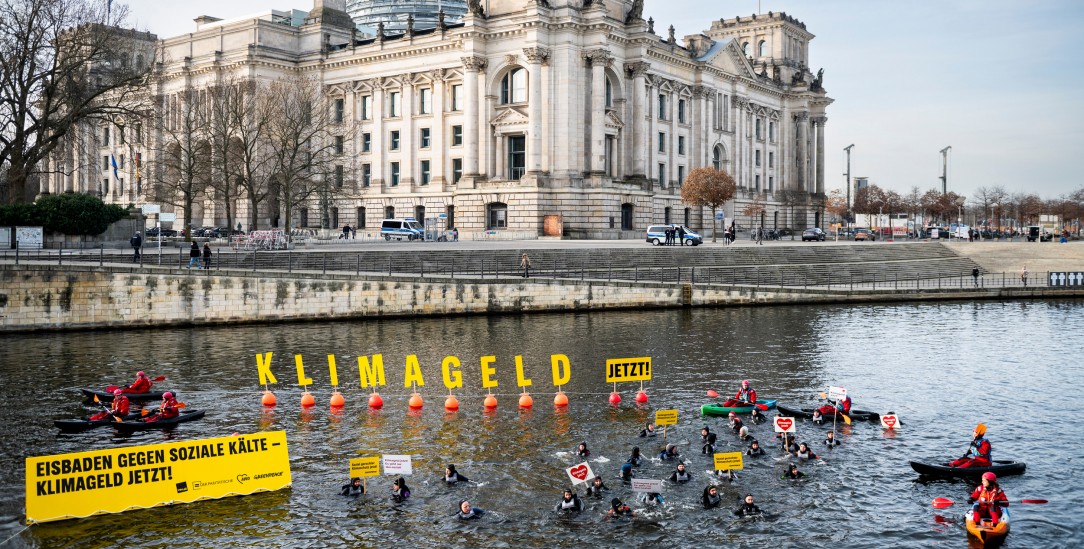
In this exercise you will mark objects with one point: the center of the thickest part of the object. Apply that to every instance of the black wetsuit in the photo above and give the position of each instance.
(747, 510)
(758, 451)
(680, 477)
(832, 442)
(597, 491)
(709, 443)
(475, 513)
(573, 505)
(455, 477)
(711, 502)
(795, 476)
(351, 490)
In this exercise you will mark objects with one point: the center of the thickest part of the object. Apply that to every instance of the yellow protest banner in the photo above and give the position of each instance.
(628, 369)
(666, 417)
(137, 477)
(728, 461)
(365, 467)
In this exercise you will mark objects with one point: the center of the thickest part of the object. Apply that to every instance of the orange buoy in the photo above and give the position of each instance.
(337, 400)
(615, 398)
(560, 399)
(641, 397)
(375, 401)
(525, 401)
(451, 404)
(490, 402)
(307, 400)
(268, 399)
(415, 401)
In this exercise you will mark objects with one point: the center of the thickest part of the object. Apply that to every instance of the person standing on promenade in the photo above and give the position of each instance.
(206, 255)
(669, 236)
(1024, 275)
(193, 256)
(525, 262)
(679, 233)
(137, 245)
(975, 276)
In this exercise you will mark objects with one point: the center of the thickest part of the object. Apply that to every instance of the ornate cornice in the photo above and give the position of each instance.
(801, 116)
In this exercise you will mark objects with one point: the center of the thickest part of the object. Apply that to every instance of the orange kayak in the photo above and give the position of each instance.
(987, 533)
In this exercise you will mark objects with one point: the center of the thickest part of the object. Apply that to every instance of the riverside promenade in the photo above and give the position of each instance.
(54, 290)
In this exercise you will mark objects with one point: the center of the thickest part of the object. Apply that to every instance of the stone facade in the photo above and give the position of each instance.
(523, 110)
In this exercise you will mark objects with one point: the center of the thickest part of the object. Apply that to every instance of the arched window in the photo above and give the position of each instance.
(514, 86)
(389, 212)
(717, 157)
(496, 215)
(745, 48)
(763, 48)
(626, 217)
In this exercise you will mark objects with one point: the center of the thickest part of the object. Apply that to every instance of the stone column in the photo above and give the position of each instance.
(535, 57)
(598, 59)
(408, 153)
(651, 154)
(739, 142)
(438, 156)
(801, 119)
(819, 124)
(640, 167)
(472, 64)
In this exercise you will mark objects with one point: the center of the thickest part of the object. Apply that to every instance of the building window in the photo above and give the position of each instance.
(425, 172)
(757, 187)
(394, 174)
(457, 170)
(105, 188)
(366, 107)
(681, 175)
(366, 142)
(662, 175)
(425, 138)
(745, 48)
(393, 104)
(366, 175)
(105, 163)
(121, 164)
(662, 106)
(763, 48)
(626, 217)
(757, 156)
(662, 142)
(304, 217)
(681, 111)
(419, 213)
(389, 212)
(457, 97)
(517, 157)
(361, 218)
(496, 215)
(688, 216)
(450, 213)
(771, 160)
(759, 136)
(340, 111)
(514, 86)
(610, 160)
(771, 131)
(457, 135)
(120, 186)
(340, 176)
(666, 215)
(340, 144)
(425, 101)
(771, 183)
(717, 157)
(609, 94)
(105, 136)
(681, 144)
(395, 140)
(334, 216)
(137, 133)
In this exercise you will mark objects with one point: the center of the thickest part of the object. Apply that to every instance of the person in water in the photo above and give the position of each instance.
(792, 473)
(727, 474)
(735, 423)
(754, 449)
(142, 384)
(818, 418)
(570, 502)
(804, 452)
(597, 487)
(626, 473)
(466, 512)
(978, 453)
(168, 409)
(582, 451)
(707, 438)
(680, 475)
(743, 434)
(755, 417)
(451, 476)
(355, 488)
(745, 396)
(789, 445)
(651, 499)
(399, 490)
(119, 408)
(988, 499)
(670, 453)
(635, 459)
(830, 439)
(711, 498)
(648, 430)
(748, 508)
(619, 509)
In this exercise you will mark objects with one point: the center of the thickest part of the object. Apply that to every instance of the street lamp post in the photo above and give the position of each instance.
(848, 185)
(944, 169)
(959, 214)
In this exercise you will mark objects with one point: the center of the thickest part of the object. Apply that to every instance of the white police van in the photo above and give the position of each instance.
(656, 235)
(408, 228)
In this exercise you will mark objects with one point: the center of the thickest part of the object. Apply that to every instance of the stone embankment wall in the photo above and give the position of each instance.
(40, 297)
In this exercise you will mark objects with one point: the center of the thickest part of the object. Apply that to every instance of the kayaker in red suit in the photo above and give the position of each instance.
(142, 384)
(988, 499)
(978, 454)
(119, 407)
(168, 409)
(745, 396)
(842, 405)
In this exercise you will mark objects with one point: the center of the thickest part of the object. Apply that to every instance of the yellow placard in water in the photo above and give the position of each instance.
(728, 461)
(365, 467)
(666, 417)
(138, 477)
(628, 369)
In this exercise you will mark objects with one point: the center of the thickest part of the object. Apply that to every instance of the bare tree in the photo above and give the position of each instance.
(251, 117)
(755, 211)
(790, 199)
(62, 62)
(893, 204)
(836, 204)
(708, 187)
(221, 102)
(869, 200)
(182, 157)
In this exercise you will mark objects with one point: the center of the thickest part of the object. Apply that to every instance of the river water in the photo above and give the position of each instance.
(942, 367)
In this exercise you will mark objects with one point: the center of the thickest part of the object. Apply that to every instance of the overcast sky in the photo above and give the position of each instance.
(998, 80)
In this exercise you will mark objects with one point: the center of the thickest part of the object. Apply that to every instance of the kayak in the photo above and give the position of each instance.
(140, 425)
(987, 533)
(105, 396)
(77, 425)
(720, 410)
(999, 468)
(860, 415)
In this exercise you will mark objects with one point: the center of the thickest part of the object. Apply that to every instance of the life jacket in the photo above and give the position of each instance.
(844, 405)
(120, 405)
(747, 395)
(807, 454)
(452, 478)
(141, 385)
(989, 497)
(168, 409)
(682, 477)
(711, 501)
(573, 503)
(981, 447)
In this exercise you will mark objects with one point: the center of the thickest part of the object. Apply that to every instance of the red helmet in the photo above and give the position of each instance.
(990, 476)
(141, 373)
(745, 383)
(732, 414)
(117, 392)
(167, 394)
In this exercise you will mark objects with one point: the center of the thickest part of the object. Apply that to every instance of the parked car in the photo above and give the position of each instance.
(864, 234)
(154, 231)
(813, 234)
(407, 228)
(656, 234)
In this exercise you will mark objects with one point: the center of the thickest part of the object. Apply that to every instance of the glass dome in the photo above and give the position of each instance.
(394, 13)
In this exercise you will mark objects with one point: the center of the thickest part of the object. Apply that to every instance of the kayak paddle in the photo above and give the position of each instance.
(100, 403)
(712, 393)
(941, 503)
(761, 407)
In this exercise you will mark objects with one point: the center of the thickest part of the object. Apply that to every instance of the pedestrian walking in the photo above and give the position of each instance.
(525, 262)
(346, 232)
(1024, 275)
(760, 236)
(206, 255)
(137, 245)
(975, 276)
(193, 256)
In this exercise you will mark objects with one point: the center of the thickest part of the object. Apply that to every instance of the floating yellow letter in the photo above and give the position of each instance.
(332, 371)
(488, 372)
(562, 370)
(263, 365)
(371, 376)
(413, 372)
(302, 381)
(453, 379)
(520, 380)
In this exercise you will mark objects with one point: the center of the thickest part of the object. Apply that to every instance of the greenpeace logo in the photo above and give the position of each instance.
(268, 475)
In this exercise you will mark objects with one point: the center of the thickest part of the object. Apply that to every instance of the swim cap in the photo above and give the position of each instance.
(745, 382)
(167, 394)
(980, 429)
(732, 414)
(140, 373)
(990, 476)
(118, 392)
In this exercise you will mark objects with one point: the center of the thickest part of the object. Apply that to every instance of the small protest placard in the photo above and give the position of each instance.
(365, 467)
(890, 421)
(666, 417)
(647, 485)
(397, 465)
(784, 425)
(580, 473)
(728, 461)
(836, 393)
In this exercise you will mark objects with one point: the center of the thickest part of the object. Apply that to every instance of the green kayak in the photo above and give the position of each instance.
(720, 410)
